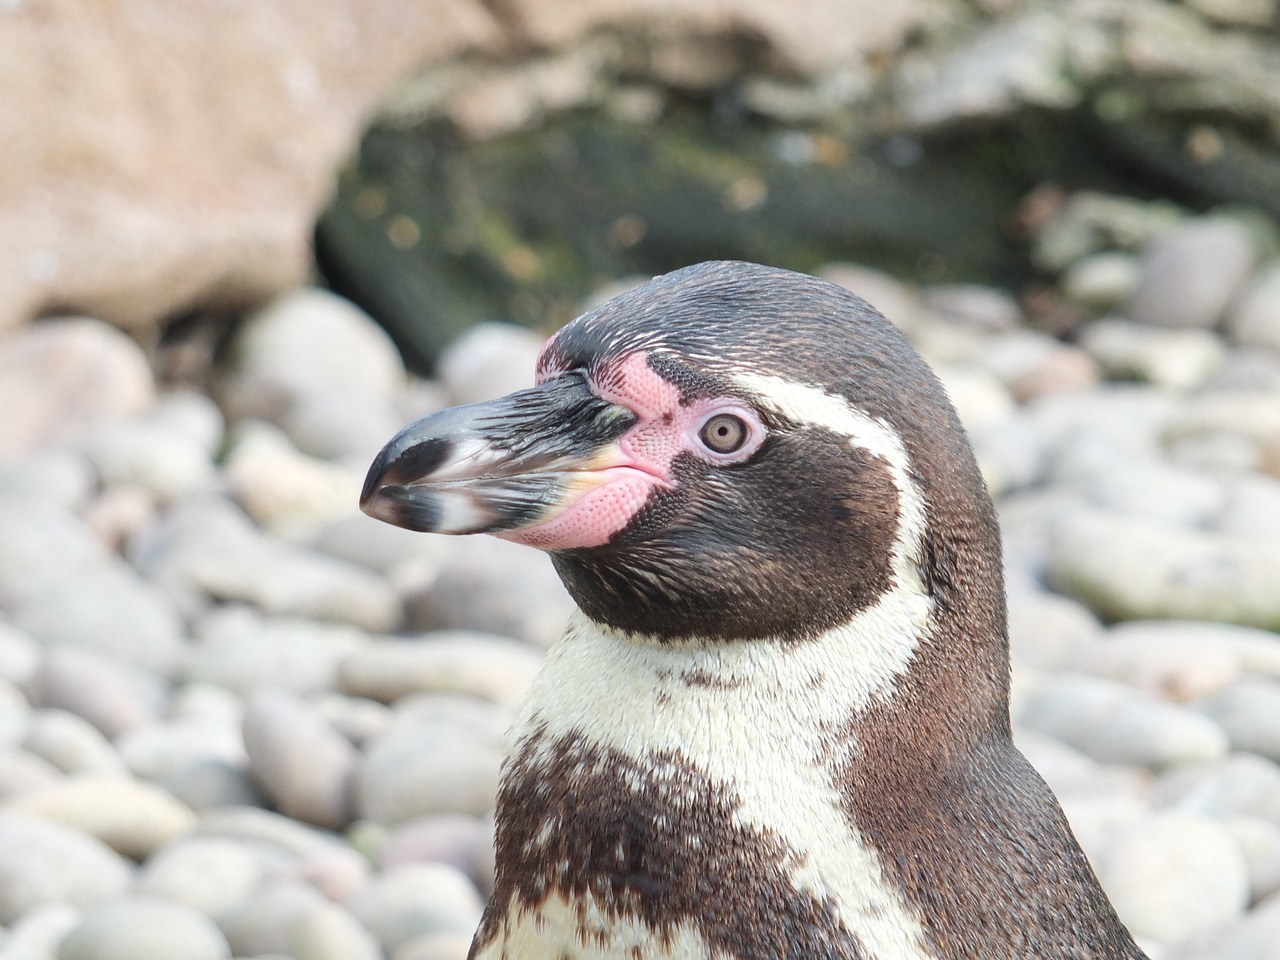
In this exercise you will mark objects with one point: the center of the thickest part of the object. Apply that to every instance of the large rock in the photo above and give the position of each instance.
(187, 167)
(1131, 568)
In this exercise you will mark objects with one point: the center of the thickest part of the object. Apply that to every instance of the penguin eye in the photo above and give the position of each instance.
(724, 433)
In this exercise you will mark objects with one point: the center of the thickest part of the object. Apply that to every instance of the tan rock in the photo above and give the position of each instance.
(157, 161)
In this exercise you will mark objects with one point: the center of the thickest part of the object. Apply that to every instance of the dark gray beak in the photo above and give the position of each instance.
(497, 466)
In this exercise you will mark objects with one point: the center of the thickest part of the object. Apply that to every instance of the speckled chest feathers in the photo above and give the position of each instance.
(778, 725)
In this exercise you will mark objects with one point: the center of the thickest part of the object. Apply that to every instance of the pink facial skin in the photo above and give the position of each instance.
(616, 491)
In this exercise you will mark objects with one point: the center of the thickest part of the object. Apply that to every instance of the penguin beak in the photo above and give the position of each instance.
(498, 466)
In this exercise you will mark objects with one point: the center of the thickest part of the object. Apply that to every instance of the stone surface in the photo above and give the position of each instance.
(208, 875)
(478, 664)
(41, 543)
(189, 174)
(1176, 875)
(70, 743)
(131, 817)
(42, 862)
(1180, 358)
(112, 695)
(489, 360)
(1255, 319)
(1191, 274)
(61, 378)
(328, 932)
(416, 900)
(1127, 568)
(265, 923)
(1249, 712)
(301, 762)
(144, 928)
(1115, 725)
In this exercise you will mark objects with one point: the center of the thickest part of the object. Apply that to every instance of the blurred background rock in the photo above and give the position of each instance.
(243, 243)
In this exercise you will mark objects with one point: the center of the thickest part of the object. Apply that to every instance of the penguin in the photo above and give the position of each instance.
(778, 724)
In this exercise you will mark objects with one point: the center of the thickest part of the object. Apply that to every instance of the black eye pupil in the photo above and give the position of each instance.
(724, 433)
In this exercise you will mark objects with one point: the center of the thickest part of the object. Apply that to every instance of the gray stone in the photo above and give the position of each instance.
(430, 764)
(449, 945)
(1238, 13)
(301, 762)
(1176, 875)
(305, 341)
(61, 378)
(454, 839)
(1252, 508)
(1255, 937)
(22, 772)
(161, 751)
(36, 934)
(237, 650)
(1048, 631)
(109, 609)
(112, 695)
(132, 817)
(208, 549)
(1179, 358)
(328, 932)
(1183, 660)
(42, 862)
(1090, 222)
(357, 719)
(1157, 491)
(264, 923)
(459, 661)
(899, 303)
(346, 425)
(208, 783)
(1032, 365)
(144, 928)
(979, 308)
(286, 491)
(496, 587)
(415, 900)
(209, 875)
(1260, 843)
(979, 397)
(489, 360)
(1102, 281)
(1114, 724)
(41, 544)
(1191, 274)
(1127, 568)
(398, 553)
(1012, 455)
(61, 475)
(19, 654)
(70, 743)
(1242, 785)
(1247, 417)
(1249, 712)
(1255, 319)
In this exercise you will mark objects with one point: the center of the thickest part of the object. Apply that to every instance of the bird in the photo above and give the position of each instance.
(777, 725)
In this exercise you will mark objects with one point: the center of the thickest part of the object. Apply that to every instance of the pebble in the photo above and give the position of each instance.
(207, 783)
(302, 764)
(1181, 358)
(1252, 508)
(240, 651)
(1191, 273)
(61, 378)
(328, 932)
(1241, 785)
(1260, 843)
(458, 661)
(19, 654)
(1157, 491)
(899, 303)
(346, 425)
(1183, 660)
(113, 695)
(207, 549)
(144, 928)
(41, 543)
(1048, 631)
(454, 839)
(305, 341)
(106, 608)
(286, 491)
(1102, 281)
(264, 923)
(36, 934)
(1114, 724)
(132, 817)
(1249, 712)
(487, 361)
(436, 946)
(428, 765)
(1175, 875)
(416, 900)
(496, 587)
(972, 306)
(60, 475)
(42, 862)
(1255, 319)
(22, 772)
(207, 874)
(1133, 568)
(70, 743)
(153, 453)
(1256, 937)
(161, 751)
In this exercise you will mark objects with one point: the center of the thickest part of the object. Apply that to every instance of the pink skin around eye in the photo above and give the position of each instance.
(663, 430)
